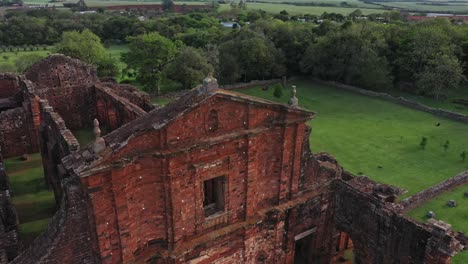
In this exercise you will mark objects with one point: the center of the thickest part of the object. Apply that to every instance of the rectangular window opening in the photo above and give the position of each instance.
(213, 195)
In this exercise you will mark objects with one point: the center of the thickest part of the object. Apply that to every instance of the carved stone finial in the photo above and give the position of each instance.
(96, 130)
(99, 143)
(209, 83)
(293, 101)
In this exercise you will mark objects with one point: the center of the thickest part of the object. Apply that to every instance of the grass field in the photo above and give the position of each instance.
(459, 8)
(380, 139)
(34, 203)
(10, 57)
(297, 10)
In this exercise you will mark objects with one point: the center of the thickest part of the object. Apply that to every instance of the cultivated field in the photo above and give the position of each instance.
(296, 10)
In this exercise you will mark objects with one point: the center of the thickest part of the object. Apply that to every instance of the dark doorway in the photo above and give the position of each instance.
(303, 247)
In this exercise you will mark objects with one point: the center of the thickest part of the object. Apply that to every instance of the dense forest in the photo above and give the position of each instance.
(379, 52)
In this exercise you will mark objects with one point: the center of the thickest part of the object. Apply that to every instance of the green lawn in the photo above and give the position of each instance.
(34, 203)
(380, 139)
(84, 136)
(10, 57)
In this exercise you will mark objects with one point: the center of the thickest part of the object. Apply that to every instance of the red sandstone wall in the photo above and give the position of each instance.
(9, 85)
(15, 139)
(68, 86)
(114, 111)
(163, 210)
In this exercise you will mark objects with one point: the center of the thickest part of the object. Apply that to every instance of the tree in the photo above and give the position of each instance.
(427, 58)
(253, 57)
(439, 76)
(168, 5)
(350, 55)
(87, 47)
(278, 92)
(356, 13)
(23, 62)
(148, 55)
(107, 67)
(189, 68)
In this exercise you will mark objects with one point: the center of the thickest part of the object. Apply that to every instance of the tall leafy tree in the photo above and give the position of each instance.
(428, 58)
(189, 68)
(87, 46)
(350, 55)
(253, 57)
(148, 55)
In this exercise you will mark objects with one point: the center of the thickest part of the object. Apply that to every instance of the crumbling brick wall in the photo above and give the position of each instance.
(132, 94)
(57, 142)
(381, 235)
(69, 237)
(68, 86)
(15, 138)
(9, 85)
(18, 133)
(114, 111)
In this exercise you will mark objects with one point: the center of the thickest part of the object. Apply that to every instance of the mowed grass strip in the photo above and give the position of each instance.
(373, 137)
(34, 203)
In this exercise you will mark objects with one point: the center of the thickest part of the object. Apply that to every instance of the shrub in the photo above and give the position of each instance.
(278, 92)
(423, 142)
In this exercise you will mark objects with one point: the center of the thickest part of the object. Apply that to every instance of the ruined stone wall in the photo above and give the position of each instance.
(18, 127)
(246, 159)
(15, 136)
(68, 86)
(132, 94)
(380, 235)
(425, 195)
(9, 85)
(114, 111)
(57, 142)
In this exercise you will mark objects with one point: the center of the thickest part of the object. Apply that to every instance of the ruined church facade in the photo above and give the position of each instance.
(214, 177)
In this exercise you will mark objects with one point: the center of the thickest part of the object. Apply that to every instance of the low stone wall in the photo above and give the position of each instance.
(250, 84)
(423, 196)
(402, 101)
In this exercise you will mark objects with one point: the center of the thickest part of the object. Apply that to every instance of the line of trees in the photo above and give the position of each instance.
(426, 58)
